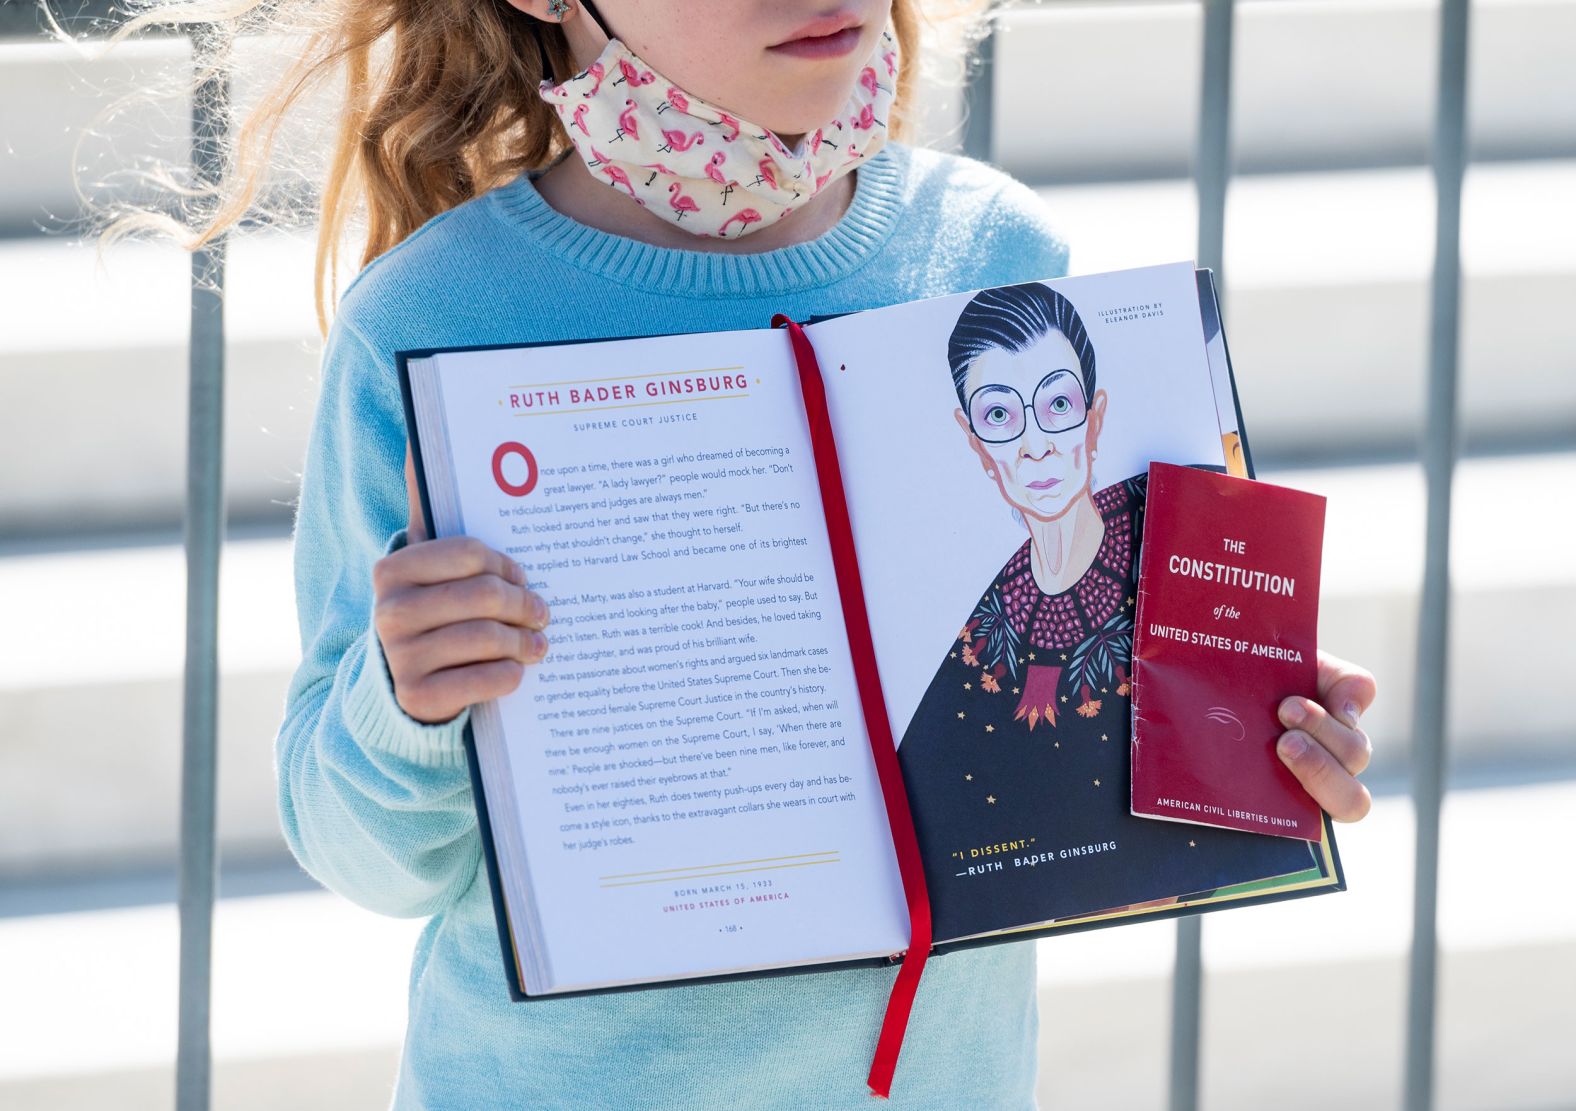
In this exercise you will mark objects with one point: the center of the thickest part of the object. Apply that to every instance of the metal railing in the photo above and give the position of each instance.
(204, 532)
(1212, 171)
(204, 529)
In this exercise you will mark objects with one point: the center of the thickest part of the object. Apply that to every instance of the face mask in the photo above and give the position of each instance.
(692, 163)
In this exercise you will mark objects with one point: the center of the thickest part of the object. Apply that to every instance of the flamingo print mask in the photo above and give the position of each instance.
(693, 163)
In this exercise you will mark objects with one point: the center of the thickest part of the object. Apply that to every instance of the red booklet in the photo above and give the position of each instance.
(1228, 605)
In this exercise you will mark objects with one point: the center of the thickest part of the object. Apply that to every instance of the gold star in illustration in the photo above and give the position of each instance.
(1192, 844)
(968, 777)
(968, 686)
(1031, 655)
(1103, 737)
(954, 655)
(960, 715)
(1064, 657)
(1097, 783)
(1129, 601)
(1064, 698)
(991, 799)
(1058, 744)
(990, 729)
(1104, 691)
(1014, 690)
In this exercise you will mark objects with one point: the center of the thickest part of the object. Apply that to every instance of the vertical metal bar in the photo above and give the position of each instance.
(1213, 167)
(204, 534)
(1212, 171)
(1187, 994)
(979, 96)
(1433, 627)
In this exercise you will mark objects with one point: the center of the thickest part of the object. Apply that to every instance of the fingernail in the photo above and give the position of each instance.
(1292, 745)
(539, 643)
(517, 573)
(1293, 711)
(1352, 713)
(542, 614)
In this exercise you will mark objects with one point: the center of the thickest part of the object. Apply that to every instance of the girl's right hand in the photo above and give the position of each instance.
(455, 617)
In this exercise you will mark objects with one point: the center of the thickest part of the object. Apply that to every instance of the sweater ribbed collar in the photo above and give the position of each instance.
(868, 222)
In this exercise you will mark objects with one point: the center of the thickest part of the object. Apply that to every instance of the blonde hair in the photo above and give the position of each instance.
(439, 105)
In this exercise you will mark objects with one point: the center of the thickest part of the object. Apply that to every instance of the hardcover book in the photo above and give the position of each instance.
(1228, 608)
(842, 630)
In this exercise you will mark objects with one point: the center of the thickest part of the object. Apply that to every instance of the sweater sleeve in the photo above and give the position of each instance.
(374, 803)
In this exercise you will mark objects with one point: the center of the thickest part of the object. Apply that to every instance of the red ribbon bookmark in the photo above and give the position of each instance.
(868, 680)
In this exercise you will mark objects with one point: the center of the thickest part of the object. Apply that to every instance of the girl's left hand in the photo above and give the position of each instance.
(1324, 747)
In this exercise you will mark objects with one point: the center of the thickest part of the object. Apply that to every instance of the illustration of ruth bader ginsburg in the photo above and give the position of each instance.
(1022, 735)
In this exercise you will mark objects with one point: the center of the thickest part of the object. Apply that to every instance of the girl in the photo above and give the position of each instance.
(553, 170)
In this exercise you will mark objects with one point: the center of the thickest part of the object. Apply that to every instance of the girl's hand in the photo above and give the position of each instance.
(455, 618)
(1325, 748)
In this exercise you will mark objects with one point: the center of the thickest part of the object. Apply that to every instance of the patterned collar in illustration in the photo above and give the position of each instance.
(1080, 638)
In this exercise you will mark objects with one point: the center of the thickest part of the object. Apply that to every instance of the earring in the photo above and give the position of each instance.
(558, 9)
(990, 473)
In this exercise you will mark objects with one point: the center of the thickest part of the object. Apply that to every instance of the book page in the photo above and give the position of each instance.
(994, 450)
(888, 380)
(693, 783)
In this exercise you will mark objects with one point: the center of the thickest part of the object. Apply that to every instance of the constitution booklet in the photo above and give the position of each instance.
(774, 555)
(1227, 623)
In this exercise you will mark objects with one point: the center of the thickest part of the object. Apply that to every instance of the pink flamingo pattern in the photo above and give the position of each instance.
(681, 204)
(619, 177)
(628, 122)
(714, 168)
(630, 73)
(680, 140)
(719, 174)
(745, 217)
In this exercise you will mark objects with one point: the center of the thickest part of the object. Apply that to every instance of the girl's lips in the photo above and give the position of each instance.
(1044, 484)
(834, 45)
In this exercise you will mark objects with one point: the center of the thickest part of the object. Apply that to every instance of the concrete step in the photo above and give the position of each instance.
(309, 990)
(1327, 294)
(90, 675)
(1318, 84)
(1099, 91)
(1327, 318)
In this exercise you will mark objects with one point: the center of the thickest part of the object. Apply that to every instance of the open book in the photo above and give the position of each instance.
(686, 786)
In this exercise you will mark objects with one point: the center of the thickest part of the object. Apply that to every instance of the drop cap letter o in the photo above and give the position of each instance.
(512, 448)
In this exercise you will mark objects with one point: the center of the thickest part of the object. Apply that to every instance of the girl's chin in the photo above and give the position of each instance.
(801, 115)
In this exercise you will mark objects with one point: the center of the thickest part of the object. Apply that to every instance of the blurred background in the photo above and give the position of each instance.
(1328, 252)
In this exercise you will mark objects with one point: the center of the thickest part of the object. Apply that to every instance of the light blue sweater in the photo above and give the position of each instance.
(377, 805)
